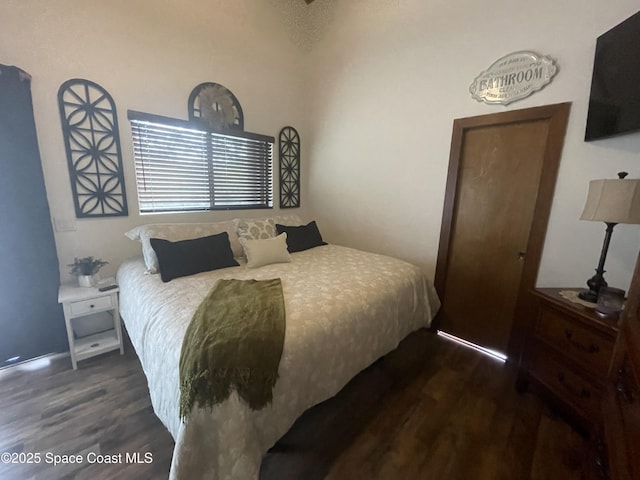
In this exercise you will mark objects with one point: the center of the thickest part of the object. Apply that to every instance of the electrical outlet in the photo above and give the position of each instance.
(64, 224)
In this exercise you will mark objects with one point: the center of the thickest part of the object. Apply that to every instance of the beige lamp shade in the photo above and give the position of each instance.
(613, 201)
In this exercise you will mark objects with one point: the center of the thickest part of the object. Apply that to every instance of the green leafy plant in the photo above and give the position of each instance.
(86, 266)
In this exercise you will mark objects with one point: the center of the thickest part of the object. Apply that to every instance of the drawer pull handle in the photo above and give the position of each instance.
(583, 393)
(623, 392)
(592, 348)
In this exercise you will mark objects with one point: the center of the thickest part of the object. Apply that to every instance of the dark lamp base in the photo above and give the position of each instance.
(596, 282)
(589, 296)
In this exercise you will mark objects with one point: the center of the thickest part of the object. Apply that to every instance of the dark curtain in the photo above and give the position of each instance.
(31, 320)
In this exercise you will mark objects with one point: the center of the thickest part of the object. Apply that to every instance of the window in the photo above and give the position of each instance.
(182, 166)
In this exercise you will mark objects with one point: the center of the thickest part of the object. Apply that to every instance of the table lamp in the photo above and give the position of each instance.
(611, 201)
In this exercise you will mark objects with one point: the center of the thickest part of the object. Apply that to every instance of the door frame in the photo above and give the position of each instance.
(557, 115)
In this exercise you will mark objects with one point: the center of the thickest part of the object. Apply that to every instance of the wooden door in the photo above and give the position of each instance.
(502, 173)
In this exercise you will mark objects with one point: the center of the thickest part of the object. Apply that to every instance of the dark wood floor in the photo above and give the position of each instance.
(430, 410)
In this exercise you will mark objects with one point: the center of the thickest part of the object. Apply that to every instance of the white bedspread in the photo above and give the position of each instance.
(344, 310)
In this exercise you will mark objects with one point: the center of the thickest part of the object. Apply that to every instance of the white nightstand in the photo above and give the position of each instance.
(88, 302)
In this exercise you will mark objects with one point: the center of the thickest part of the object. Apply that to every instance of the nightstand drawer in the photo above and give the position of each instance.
(97, 304)
(587, 348)
(92, 321)
(566, 384)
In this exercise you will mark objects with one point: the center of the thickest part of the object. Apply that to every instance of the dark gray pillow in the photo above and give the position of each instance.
(302, 237)
(188, 257)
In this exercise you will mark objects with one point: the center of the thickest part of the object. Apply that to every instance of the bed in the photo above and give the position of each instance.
(344, 309)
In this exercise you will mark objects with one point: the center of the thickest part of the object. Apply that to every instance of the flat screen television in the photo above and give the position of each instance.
(614, 104)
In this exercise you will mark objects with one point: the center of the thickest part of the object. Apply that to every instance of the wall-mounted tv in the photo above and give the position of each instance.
(614, 104)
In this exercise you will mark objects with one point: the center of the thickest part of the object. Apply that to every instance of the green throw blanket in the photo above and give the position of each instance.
(234, 340)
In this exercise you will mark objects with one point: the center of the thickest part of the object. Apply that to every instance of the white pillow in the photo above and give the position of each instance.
(180, 231)
(266, 252)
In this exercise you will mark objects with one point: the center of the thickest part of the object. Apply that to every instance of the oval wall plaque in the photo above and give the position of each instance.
(513, 77)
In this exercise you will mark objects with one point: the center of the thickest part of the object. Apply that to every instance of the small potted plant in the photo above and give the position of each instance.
(85, 268)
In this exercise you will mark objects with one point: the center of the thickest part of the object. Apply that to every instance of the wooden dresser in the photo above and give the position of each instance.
(567, 357)
(621, 402)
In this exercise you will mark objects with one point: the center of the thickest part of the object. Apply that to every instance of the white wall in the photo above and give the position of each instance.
(389, 77)
(373, 87)
(150, 54)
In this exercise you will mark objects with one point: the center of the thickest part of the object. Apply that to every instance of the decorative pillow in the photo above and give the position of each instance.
(302, 237)
(180, 231)
(266, 252)
(188, 257)
(255, 228)
(263, 228)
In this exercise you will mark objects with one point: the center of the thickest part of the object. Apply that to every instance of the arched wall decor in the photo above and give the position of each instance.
(90, 129)
(215, 104)
(289, 142)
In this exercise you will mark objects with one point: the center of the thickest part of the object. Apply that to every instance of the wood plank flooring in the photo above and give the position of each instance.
(429, 410)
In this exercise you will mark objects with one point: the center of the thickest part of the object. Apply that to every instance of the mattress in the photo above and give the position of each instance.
(344, 309)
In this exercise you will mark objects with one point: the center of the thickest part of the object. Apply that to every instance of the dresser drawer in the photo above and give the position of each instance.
(589, 349)
(97, 304)
(566, 384)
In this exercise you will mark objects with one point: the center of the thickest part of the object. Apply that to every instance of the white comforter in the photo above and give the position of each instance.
(344, 310)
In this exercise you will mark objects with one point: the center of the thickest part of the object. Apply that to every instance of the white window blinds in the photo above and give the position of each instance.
(182, 166)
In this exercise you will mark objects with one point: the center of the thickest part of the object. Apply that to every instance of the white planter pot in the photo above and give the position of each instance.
(85, 280)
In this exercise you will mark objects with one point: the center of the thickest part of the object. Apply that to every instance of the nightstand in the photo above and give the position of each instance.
(90, 303)
(568, 354)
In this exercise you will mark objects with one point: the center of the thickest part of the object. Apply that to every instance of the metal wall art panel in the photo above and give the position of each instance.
(289, 168)
(215, 104)
(92, 141)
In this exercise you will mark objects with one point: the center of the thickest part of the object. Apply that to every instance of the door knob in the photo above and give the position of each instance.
(521, 255)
